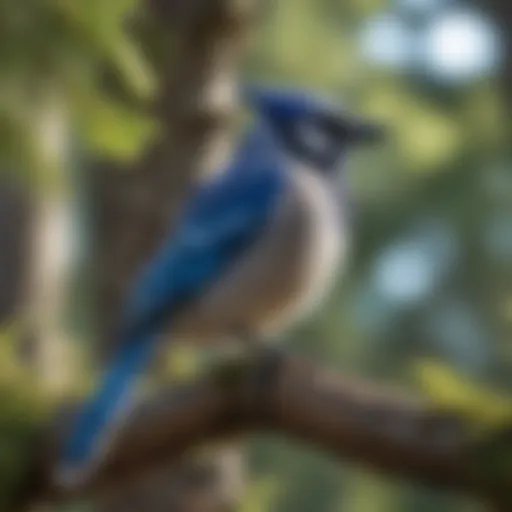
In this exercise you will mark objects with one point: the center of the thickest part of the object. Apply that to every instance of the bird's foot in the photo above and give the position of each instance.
(254, 344)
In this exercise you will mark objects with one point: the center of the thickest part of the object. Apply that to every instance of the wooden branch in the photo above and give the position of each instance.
(292, 397)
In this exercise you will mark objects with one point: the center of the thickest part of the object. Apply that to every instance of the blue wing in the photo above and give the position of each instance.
(221, 220)
(223, 217)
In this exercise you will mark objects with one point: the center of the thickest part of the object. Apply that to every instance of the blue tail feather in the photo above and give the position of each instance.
(92, 422)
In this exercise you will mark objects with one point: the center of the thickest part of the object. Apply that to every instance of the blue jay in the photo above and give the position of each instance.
(256, 247)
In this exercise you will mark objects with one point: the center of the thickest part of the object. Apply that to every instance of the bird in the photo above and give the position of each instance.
(255, 248)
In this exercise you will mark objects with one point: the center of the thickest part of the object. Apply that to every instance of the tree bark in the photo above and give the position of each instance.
(134, 208)
(16, 214)
(51, 261)
(290, 396)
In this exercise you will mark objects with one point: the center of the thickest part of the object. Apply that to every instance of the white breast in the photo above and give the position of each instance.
(284, 275)
(325, 238)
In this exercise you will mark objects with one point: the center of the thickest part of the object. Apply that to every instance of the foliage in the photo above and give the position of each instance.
(486, 409)
(431, 184)
(23, 410)
(443, 176)
(53, 57)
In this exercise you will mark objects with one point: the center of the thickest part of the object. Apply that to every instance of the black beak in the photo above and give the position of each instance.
(368, 133)
(357, 131)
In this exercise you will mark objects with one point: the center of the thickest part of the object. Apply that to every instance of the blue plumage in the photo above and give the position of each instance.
(220, 221)
(223, 218)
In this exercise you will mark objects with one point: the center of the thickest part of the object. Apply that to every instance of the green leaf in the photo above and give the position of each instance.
(101, 24)
(484, 407)
(113, 130)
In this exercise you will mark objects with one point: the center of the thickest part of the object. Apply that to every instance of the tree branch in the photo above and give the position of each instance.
(292, 397)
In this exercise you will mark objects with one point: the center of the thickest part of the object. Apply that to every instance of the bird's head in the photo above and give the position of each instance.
(310, 129)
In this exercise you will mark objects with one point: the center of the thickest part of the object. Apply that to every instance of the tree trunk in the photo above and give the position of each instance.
(135, 209)
(15, 231)
(48, 350)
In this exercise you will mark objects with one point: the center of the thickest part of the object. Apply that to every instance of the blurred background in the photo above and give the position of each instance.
(432, 262)
(427, 303)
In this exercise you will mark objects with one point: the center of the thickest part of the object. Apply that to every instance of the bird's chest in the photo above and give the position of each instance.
(284, 274)
(310, 242)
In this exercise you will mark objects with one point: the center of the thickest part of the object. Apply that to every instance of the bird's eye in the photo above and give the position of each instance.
(313, 137)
